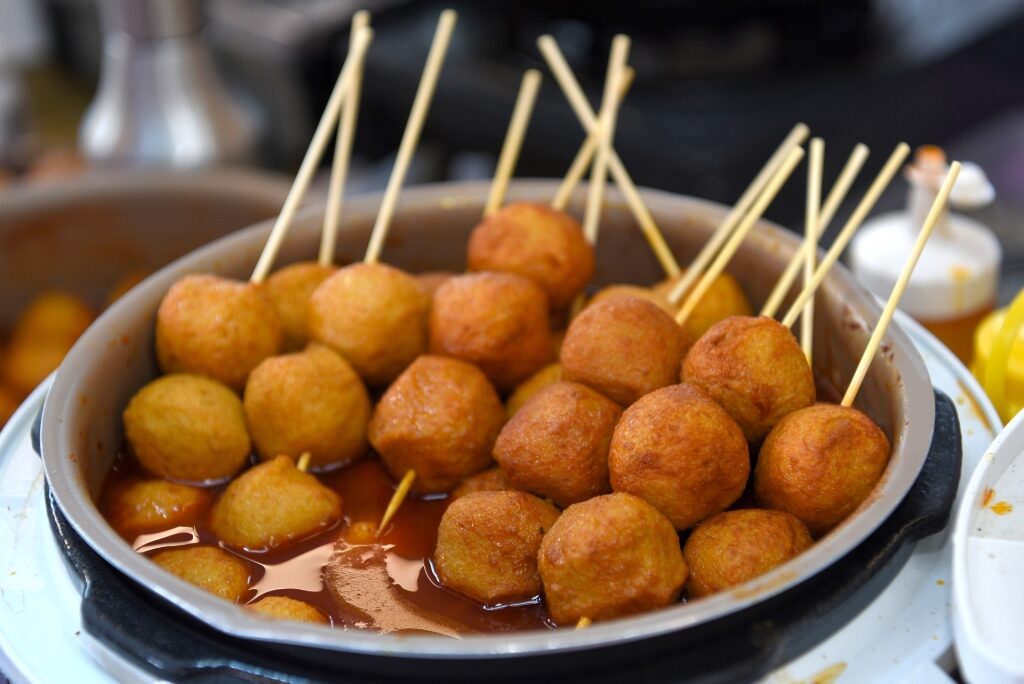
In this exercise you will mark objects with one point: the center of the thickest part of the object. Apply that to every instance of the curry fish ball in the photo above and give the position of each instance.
(498, 321)
(154, 505)
(651, 295)
(284, 608)
(439, 418)
(27, 363)
(187, 427)
(527, 389)
(308, 401)
(820, 463)
(54, 315)
(736, 546)
(492, 480)
(289, 290)
(373, 315)
(557, 445)
(487, 545)
(209, 568)
(217, 327)
(680, 451)
(724, 298)
(754, 368)
(609, 556)
(623, 347)
(537, 242)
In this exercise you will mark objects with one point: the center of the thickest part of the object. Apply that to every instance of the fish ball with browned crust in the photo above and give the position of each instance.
(273, 504)
(374, 315)
(497, 321)
(820, 464)
(209, 568)
(724, 298)
(537, 242)
(285, 608)
(154, 505)
(487, 545)
(217, 327)
(623, 347)
(527, 389)
(610, 556)
(736, 546)
(289, 290)
(556, 446)
(754, 368)
(680, 451)
(311, 401)
(187, 427)
(491, 480)
(439, 418)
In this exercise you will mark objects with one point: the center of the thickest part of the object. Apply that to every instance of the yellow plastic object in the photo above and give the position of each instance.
(999, 358)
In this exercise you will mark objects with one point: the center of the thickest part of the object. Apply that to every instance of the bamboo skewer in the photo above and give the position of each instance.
(303, 462)
(413, 128)
(317, 145)
(846, 234)
(513, 140)
(814, 171)
(584, 622)
(342, 152)
(396, 499)
(571, 87)
(795, 137)
(901, 284)
(583, 158)
(736, 239)
(825, 216)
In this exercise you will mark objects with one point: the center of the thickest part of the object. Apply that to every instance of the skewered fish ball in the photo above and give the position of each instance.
(498, 321)
(609, 556)
(216, 327)
(623, 347)
(373, 315)
(272, 504)
(187, 427)
(54, 315)
(492, 480)
(151, 505)
(289, 290)
(754, 368)
(537, 242)
(284, 608)
(820, 463)
(724, 298)
(557, 445)
(439, 418)
(527, 389)
(680, 451)
(487, 545)
(308, 401)
(647, 293)
(209, 568)
(736, 546)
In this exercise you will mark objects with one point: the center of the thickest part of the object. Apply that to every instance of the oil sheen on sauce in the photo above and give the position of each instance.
(390, 586)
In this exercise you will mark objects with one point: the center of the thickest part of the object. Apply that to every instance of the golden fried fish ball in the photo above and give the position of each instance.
(54, 315)
(651, 295)
(9, 402)
(537, 242)
(754, 368)
(308, 401)
(289, 290)
(439, 418)
(153, 505)
(527, 389)
(284, 608)
(209, 568)
(487, 545)
(498, 321)
(217, 327)
(623, 347)
(736, 546)
(431, 280)
(187, 427)
(820, 463)
(609, 556)
(492, 480)
(374, 315)
(272, 504)
(27, 363)
(681, 452)
(723, 299)
(557, 445)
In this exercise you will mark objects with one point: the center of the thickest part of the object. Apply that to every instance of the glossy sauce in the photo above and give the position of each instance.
(297, 570)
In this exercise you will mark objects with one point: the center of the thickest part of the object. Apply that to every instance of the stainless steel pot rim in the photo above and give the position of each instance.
(233, 620)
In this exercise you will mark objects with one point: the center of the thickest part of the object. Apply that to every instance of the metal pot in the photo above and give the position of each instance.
(81, 427)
